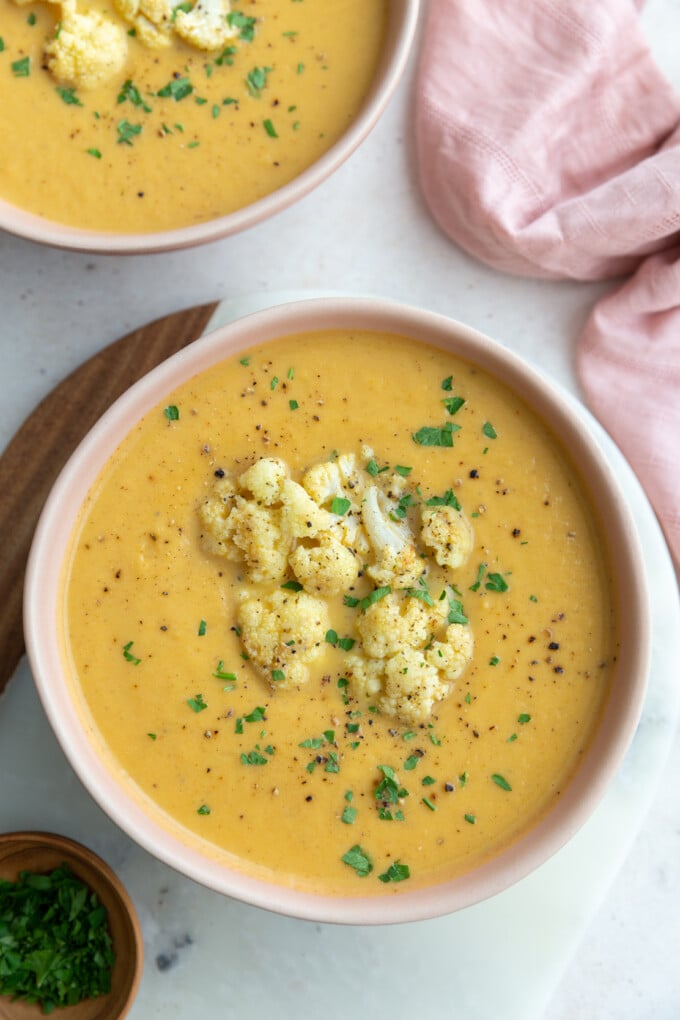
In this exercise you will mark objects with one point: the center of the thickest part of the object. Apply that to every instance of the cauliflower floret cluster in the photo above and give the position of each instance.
(283, 634)
(341, 522)
(87, 49)
(260, 518)
(206, 25)
(400, 664)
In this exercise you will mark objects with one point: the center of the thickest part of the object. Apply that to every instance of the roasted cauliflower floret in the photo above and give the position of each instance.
(411, 686)
(407, 664)
(332, 478)
(265, 479)
(301, 516)
(396, 560)
(152, 19)
(87, 49)
(283, 634)
(447, 532)
(327, 568)
(256, 531)
(365, 675)
(394, 623)
(452, 655)
(214, 518)
(205, 26)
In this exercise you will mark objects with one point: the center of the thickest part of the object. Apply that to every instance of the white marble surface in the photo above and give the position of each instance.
(366, 230)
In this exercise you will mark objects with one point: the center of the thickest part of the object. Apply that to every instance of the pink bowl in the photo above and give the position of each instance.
(146, 825)
(403, 16)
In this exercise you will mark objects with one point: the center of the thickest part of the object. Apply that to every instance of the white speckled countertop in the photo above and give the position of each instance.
(595, 933)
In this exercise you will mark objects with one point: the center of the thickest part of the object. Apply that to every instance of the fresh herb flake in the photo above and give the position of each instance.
(495, 582)
(432, 436)
(197, 704)
(453, 404)
(21, 68)
(501, 781)
(395, 873)
(375, 596)
(489, 431)
(128, 656)
(340, 505)
(357, 859)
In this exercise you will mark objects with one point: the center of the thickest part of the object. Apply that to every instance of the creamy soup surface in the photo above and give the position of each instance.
(179, 135)
(290, 784)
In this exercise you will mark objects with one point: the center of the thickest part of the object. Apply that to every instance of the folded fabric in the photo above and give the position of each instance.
(549, 145)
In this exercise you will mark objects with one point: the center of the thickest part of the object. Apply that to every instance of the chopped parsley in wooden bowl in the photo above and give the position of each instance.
(70, 940)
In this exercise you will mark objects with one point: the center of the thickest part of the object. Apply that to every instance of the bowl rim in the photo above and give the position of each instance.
(585, 788)
(401, 27)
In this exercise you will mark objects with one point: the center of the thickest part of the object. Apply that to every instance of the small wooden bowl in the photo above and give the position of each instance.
(44, 851)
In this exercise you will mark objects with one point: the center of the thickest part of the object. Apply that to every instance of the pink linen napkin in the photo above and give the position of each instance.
(549, 145)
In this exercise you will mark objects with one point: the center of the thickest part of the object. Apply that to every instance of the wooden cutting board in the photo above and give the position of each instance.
(43, 444)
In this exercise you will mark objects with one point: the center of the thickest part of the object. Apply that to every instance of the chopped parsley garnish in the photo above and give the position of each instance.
(178, 88)
(274, 383)
(313, 742)
(471, 819)
(127, 131)
(293, 405)
(340, 505)
(254, 758)
(152, 736)
(489, 431)
(94, 152)
(375, 596)
(197, 704)
(348, 815)
(203, 810)
(448, 499)
(56, 947)
(411, 762)
(31, 19)
(398, 513)
(456, 614)
(395, 873)
(300, 68)
(2, 44)
(501, 781)
(447, 384)
(202, 628)
(388, 789)
(373, 469)
(128, 656)
(453, 404)
(532, 598)
(69, 96)
(256, 80)
(292, 585)
(244, 361)
(358, 859)
(431, 436)
(494, 660)
(421, 592)
(244, 23)
(496, 582)
(480, 575)
(130, 92)
(21, 68)
(226, 56)
(512, 738)
(171, 412)
(277, 675)
(332, 763)
(184, 7)
(402, 470)
(523, 718)
(349, 600)
(428, 781)
(257, 714)
(463, 778)
(428, 804)
(269, 128)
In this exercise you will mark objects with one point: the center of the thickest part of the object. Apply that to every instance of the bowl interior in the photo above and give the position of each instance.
(134, 813)
(41, 852)
(402, 19)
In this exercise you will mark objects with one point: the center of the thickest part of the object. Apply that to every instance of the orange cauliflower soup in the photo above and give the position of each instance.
(338, 608)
